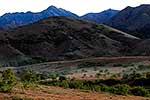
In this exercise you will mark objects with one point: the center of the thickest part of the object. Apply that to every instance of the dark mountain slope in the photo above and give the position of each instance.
(143, 48)
(12, 20)
(101, 17)
(59, 38)
(133, 20)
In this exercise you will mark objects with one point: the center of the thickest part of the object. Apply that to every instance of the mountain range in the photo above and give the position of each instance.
(101, 17)
(134, 20)
(57, 34)
(13, 20)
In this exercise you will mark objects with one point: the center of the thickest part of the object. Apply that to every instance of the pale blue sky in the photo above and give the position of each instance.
(79, 7)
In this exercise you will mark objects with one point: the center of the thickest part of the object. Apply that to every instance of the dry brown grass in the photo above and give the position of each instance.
(56, 93)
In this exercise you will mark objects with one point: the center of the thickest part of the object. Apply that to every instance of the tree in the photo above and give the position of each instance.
(7, 81)
(29, 76)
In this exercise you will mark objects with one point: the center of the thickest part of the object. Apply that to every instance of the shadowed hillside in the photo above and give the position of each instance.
(134, 20)
(62, 38)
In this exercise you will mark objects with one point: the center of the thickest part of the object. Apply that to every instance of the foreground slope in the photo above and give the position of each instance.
(55, 93)
(59, 38)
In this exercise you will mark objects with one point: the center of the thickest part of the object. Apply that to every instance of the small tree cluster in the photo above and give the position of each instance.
(7, 80)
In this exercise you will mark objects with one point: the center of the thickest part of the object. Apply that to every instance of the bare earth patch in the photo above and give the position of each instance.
(56, 93)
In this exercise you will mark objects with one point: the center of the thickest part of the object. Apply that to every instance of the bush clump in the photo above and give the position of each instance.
(7, 80)
(120, 89)
(29, 78)
(140, 91)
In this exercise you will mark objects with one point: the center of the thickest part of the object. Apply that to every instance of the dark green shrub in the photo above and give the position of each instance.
(109, 82)
(62, 78)
(121, 89)
(112, 86)
(148, 75)
(136, 76)
(114, 76)
(142, 67)
(117, 65)
(53, 76)
(7, 81)
(86, 65)
(43, 76)
(140, 82)
(125, 76)
(140, 91)
(98, 75)
(103, 87)
(76, 84)
(101, 71)
(29, 76)
(64, 84)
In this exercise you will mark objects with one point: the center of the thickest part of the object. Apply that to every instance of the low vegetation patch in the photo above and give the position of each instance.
(7, 80)
(138, 85)
(111, 85)
(90, 64)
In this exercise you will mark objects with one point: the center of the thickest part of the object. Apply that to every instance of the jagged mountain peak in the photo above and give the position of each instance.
(13, 20)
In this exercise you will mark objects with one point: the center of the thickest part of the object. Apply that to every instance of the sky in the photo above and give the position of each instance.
(79, 7)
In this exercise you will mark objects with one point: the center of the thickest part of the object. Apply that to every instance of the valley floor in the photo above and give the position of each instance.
(56, 93)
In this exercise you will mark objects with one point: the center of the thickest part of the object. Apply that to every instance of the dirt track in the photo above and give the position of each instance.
(107, 59)
(124, 59)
